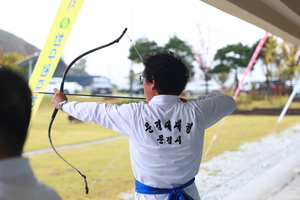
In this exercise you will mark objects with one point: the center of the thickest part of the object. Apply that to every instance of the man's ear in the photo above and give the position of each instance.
(153, 85)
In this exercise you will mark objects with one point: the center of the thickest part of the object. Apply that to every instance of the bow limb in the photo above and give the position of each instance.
(86, 53)
(62, 88)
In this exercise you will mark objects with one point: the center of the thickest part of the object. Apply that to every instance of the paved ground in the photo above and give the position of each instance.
(282, 182)
(74, 145)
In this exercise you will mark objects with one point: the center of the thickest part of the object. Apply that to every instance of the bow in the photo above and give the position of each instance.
(62, 89)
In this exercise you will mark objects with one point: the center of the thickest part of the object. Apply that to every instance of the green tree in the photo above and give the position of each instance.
(222, 76)
(144, 46)
(182, 49)
(79, 68)
(9, 60)
(141, 47)
(231, 57)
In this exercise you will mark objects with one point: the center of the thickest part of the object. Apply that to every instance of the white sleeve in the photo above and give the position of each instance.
(202, 97)
(106, 115)
(214, 107)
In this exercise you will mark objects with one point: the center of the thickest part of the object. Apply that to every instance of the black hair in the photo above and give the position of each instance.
(15, 112)
(168, 71)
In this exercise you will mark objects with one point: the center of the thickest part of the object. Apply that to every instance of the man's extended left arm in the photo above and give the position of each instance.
(57, 98)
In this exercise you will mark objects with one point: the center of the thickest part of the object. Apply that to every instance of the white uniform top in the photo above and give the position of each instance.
(165, 135)
(17, 182)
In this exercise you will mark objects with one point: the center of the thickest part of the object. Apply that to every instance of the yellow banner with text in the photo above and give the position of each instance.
(52, 51)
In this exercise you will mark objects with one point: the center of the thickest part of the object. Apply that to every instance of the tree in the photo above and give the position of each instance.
(79, 68)
(144, 46)
(183, 50)
(231, 57)
(270, 58)
(179, 47)
(289, 66)
(222, 76)
(9, 60)
(203, 59)
(281, 60)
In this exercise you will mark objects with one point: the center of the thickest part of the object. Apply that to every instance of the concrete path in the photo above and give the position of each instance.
(73, 145)
(282, 182)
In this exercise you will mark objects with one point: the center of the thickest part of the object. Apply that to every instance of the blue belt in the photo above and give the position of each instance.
(174, 193)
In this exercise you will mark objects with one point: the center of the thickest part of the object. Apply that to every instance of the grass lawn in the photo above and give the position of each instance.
(92, 159)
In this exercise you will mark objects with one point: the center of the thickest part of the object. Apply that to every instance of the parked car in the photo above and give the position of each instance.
(249, 85)
(124, 88)
(101, 85)
(78, 87)
(69, 87)
(276, 86)
(199, 87)
(137, 88)
(294, 82)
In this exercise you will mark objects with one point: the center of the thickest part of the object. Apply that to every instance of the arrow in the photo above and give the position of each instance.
(88, 95)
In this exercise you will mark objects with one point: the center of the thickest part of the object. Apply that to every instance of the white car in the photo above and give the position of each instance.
(199, 87)
(78, 87)
(250, 84)
(101, 85)
(137, 88)
(69, 87)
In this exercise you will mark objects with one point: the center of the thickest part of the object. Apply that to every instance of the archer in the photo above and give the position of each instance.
(166, 134)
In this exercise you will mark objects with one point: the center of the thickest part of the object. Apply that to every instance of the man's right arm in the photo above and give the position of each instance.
(215, 106)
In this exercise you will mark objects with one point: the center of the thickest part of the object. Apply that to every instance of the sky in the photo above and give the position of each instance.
(100, 22)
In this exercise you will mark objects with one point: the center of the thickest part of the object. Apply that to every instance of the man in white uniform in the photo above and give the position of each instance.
(166, 134)
(17, 180)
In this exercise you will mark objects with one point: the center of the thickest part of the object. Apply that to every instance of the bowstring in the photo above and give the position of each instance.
(127, 145)
(135, 48)
(108, 167)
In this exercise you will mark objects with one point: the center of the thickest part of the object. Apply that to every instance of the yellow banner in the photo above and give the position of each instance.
(53, 48)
